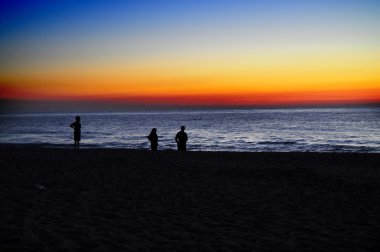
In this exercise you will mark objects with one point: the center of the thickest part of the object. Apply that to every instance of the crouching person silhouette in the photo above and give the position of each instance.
(153, 138)
(181, 139)
(77, 131)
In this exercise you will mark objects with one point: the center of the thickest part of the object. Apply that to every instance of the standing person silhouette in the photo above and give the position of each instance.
(153, 138)
(77, 128)
(181, 139)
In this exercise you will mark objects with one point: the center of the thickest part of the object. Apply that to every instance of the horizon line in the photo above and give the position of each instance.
(12, 106)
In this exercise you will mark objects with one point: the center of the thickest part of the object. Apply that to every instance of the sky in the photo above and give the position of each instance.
(190, 53)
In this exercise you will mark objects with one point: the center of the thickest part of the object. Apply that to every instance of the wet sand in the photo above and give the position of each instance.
(131, 200)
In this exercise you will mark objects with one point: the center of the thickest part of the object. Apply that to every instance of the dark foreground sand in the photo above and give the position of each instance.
(126, 200)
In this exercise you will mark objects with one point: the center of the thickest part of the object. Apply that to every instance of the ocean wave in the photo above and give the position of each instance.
(277, 142)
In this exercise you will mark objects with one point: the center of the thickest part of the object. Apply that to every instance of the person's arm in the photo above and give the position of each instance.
(72, 125)
(176, 138)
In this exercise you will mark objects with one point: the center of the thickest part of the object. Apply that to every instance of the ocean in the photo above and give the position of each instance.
(254, 130)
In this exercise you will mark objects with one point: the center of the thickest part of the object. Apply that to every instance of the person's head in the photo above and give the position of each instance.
(77, 118)
(154, 130)
(182, 128)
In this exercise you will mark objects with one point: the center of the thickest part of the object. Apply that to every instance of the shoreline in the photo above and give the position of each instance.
(46, 146)
(132, 200)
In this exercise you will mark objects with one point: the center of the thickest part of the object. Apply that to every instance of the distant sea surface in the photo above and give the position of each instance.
(273, 130)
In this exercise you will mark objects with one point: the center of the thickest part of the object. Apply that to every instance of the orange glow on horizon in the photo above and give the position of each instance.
(355, 96)
(276, 79)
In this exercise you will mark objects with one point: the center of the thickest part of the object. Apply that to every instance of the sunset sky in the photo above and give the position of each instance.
(188, 52)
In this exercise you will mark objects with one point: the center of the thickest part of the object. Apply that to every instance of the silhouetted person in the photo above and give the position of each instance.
(153, 138)
(76, 126)
(181, 139)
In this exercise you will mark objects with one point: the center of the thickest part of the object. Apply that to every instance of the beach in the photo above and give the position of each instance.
(137, 200)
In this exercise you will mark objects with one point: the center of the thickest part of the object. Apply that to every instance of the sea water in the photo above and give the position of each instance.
(256, 130)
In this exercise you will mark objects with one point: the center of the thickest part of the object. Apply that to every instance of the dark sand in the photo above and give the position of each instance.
(127, 200)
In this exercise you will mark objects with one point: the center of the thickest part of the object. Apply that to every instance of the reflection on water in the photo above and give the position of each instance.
(230, 130)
